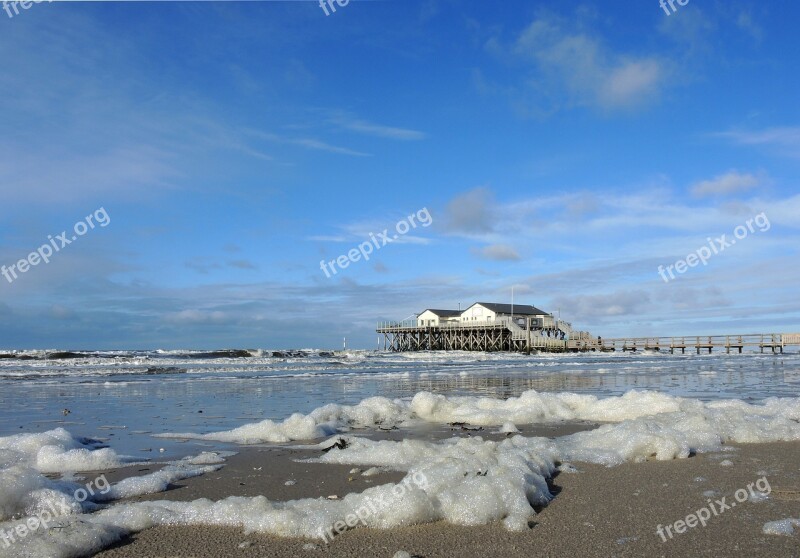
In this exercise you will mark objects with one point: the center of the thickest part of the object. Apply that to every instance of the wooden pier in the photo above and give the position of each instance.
(506, 335)
(499, 335)
(773, 342)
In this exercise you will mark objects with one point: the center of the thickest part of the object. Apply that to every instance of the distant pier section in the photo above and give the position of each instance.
(773, 342)
(524, 328)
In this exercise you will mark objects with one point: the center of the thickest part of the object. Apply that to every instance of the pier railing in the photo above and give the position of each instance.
(503, 321)
(506, 334)
(501, 333)
(412, 324)
(774, 342)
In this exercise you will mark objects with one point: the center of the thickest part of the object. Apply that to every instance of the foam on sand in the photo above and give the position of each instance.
(781, 527)
(25, 491)
(775, 419)
(56, 451)
(465, 481)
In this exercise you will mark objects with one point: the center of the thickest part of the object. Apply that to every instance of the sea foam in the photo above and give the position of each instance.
(774, 419)
(465, 481)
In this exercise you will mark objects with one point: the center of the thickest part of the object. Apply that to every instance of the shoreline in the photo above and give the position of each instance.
(596, 511)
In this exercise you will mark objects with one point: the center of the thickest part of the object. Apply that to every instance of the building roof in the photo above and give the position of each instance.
(519, 309)
(443, 313)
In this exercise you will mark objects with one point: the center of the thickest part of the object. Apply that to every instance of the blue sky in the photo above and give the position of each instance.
(567, 149)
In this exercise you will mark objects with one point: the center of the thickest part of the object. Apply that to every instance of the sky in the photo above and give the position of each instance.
(218, 156)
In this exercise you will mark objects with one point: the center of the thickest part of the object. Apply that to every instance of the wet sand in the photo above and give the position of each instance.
(597, 511)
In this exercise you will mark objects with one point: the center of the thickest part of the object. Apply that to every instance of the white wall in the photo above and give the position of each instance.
(428, 318)
(477, 313)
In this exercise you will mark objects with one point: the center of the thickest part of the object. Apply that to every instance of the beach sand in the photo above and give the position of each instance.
(597, 511)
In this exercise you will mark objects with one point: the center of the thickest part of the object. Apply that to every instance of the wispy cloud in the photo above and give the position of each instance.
(571, 63)
(729, 183)
(784, 140)
(365, 230)
(693, 33)
(746, 23)
(311, 143)
(497, 252)
(205, 266)
(471, 212)
(202, 266)
(633, 226)
(328, 238)
(197, 317)
(47, 177)
(242, 264)
(306, 142)
(590, 308)
(378, 130)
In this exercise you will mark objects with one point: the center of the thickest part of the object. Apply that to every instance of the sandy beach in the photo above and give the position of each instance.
(391, 279)
(597, 511)
(516, 472)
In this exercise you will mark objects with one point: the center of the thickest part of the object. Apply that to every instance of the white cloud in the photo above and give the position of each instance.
(378, 130)
(370, 230)
(328, 238)
(497, 252)
(746, 23)
(784, 140)
(306, 142)
(639, 231)
(197, 317)
(124, 172)
(471, 212)
(593, 308)
(693, 32)
(60, 312)
(578, 65)
(729, 183)
(312, 143)
(242, 264)
(206, 265)
(630, 83)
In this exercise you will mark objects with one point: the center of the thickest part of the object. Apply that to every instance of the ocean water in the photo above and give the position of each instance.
(67, 413)
(123, 397)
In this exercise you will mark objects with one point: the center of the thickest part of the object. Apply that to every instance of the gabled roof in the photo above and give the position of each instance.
(519, 309)
(443, 313)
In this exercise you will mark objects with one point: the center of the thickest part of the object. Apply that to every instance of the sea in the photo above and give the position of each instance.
(124, 397)
(67, 415)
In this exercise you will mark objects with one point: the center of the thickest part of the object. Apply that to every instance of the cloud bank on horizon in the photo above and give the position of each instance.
(565, 149)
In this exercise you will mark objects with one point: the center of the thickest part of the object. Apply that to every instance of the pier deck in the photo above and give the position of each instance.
(505, 335)
(774, 342)
(499, 335)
